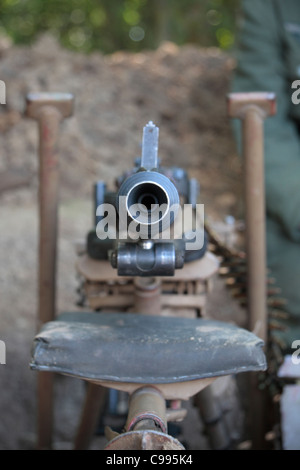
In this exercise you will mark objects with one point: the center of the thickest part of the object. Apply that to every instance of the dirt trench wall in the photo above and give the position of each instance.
(182, 90)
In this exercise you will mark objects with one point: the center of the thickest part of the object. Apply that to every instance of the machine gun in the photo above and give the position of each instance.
(151, 356)
(153, 236)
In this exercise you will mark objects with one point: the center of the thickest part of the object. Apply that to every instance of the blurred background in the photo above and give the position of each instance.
(106, 26)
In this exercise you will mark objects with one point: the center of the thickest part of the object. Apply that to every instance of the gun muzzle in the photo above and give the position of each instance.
(148, 199)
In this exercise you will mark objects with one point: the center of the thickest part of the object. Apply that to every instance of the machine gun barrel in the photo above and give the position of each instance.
(150, 200)
(152, 234)
(148, 197)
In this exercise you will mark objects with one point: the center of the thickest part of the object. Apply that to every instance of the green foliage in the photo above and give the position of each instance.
(110, 25)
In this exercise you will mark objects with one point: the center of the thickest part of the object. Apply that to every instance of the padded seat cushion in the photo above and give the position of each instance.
(126, 347)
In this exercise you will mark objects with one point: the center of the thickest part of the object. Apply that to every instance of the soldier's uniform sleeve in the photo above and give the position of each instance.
(267, 61)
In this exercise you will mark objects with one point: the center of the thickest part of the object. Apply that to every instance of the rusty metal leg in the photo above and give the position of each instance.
(44, 410)
(48, 109)
(47, 268)
(94, 405)
(255, 221)
(252, 109)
